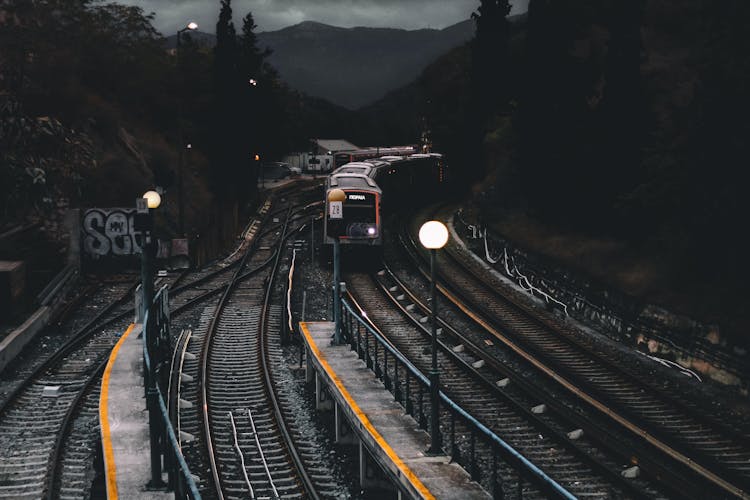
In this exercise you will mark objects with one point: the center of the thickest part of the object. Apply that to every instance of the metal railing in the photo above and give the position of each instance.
(163, 441)
(51, 292)
(411, 389)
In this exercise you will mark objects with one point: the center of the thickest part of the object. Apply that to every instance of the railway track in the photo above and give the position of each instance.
(49, 398)
(668, 439)
(394, 312)
(234, 408)
(41, 410)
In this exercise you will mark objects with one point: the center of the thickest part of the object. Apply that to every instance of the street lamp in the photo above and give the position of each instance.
(434, 235)
(336, 199)
(144, 223)
(191, 26)
(149, 201)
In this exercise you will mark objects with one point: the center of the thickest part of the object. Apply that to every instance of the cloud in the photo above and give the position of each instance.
(270, 15)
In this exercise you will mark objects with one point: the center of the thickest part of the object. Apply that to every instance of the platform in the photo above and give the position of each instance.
(123, 421)
(393, 438)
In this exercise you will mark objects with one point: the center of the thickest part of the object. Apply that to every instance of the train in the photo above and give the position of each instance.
(343, 157)
(374, 188)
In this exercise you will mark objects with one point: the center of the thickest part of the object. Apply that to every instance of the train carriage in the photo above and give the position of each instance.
(343, 157)
(378, 186)
(360, 215)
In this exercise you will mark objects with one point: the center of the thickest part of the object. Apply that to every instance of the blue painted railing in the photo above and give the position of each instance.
(400, 377)
(164, 443)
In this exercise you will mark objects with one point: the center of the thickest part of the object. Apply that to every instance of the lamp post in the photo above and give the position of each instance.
(145, 223)
(152, 201)
(181, 214)
(434, 235)
(336, 199)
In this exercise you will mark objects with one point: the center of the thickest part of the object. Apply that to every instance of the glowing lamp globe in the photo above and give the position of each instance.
(192, 26)
(433, 235)
(336, 195)
(153, 200)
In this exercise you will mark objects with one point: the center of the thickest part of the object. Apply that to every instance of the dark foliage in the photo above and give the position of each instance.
(68, 68)
(489, 81)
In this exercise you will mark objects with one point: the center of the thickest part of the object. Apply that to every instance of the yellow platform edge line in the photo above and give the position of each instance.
(405, 470)
(110, 471)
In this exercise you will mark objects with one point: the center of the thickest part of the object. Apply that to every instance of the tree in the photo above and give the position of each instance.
(490, 57)
(489, 79)
(226, 134)
(623, 120)
(255, 95)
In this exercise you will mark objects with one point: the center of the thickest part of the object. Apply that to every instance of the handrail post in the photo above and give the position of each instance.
(152, 398)
(337, 291)
(152, 402)
(435, 437)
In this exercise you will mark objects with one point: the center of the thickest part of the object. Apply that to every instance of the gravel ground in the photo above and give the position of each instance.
(311, 301)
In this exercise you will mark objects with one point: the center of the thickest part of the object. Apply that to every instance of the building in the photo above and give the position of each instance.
(319, 157)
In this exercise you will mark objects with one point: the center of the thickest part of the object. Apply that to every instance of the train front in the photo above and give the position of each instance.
(355, 220)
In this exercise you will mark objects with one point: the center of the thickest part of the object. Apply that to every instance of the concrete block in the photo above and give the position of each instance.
(576, 434)
(322, 401)
(539, 409)
(12, 344)
(344, 432)
(631, 472)
(12, 287)
(51, 391)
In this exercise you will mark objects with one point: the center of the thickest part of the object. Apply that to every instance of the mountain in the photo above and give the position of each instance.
(351, 67)
(199, 38)
(354, 67)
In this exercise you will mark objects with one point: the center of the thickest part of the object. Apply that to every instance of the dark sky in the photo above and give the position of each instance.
(274, 14)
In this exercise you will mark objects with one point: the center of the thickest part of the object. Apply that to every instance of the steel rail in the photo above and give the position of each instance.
(595, 403)
(262, 455)
(241, 455)
(307, 481)
(204, 392)
(54, 461)
(562, 411)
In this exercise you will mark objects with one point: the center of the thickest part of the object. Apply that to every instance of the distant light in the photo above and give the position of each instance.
(153, 200)
(189, 146)
(370, 231)
(257, 157)
(433, 235)
(192, 25)
(253, 82)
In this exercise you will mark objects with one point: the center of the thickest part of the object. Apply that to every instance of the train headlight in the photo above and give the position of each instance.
(362, 230)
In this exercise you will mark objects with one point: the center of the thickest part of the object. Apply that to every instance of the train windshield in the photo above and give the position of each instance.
(360, 215)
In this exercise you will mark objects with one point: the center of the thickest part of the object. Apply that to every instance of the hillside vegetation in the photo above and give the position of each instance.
(95, 110)
(614, 124)
(619, 125)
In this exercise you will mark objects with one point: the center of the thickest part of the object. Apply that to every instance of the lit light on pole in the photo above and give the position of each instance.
(144, 223)
(152, 200)
(434, 235)
(336, 199)
(191, 26)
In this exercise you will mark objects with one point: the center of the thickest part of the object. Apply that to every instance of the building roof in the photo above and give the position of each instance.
(334, 145)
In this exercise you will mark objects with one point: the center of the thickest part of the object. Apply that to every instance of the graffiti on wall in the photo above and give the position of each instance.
(110, 232)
